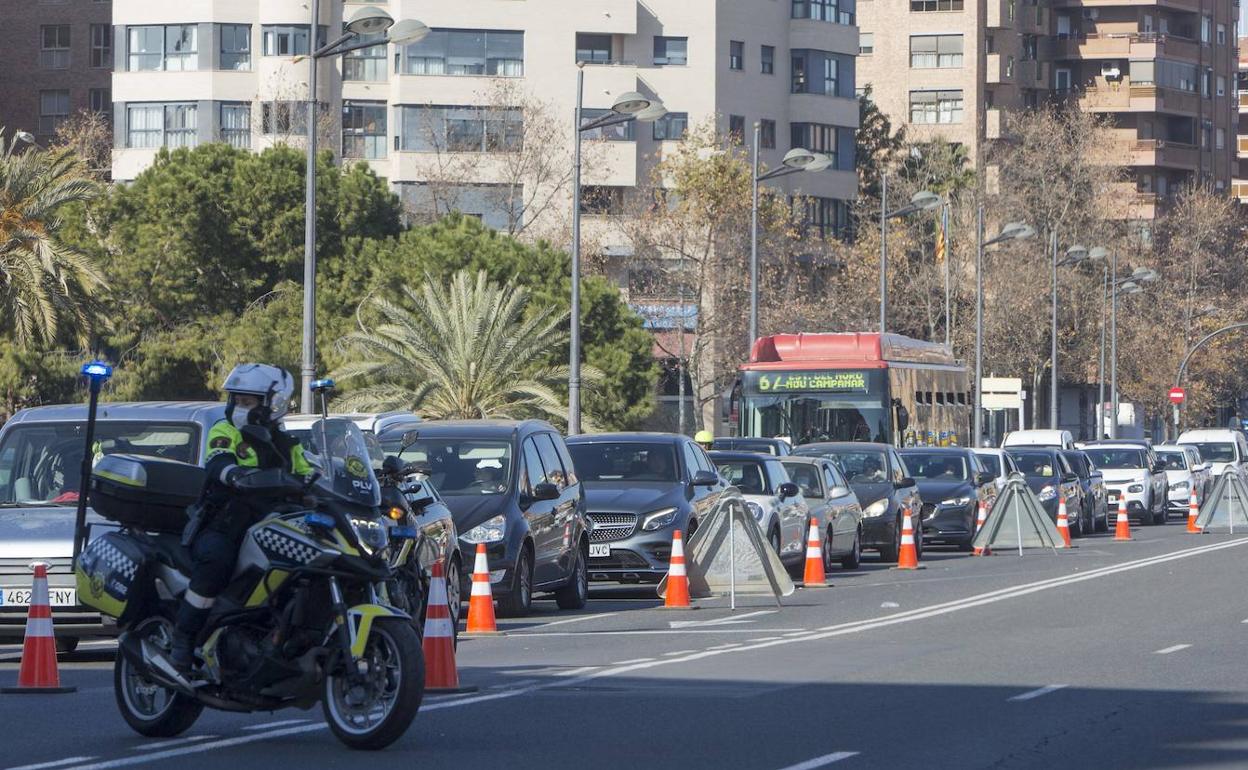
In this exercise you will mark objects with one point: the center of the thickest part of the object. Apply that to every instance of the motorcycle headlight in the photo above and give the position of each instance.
(1180, 485)
(490, 531)
(1135, 489)
(658, 519)
(755, 509)
(372, 534)
(1048, 493)
(875, 509)
(956, 501)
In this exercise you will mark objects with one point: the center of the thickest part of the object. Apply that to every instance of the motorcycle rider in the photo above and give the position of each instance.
(257, 395)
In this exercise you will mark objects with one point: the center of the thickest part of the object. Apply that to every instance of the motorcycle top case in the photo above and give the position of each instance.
(145, 493)
(109, 574)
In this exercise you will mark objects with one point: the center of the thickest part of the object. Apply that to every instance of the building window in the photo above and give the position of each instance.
(171, 48)
(818, 72)
(54, 46)
(767, 134)
(671, 51)
(1221, 90)
(160, 125)
(932, 107)
(767, 57)
(736, 129)
(364, 130)
(236, 124)
(823, 217)
(866, 43)
(366, 64)
(1009, 66)
(235, 46)
(1220, 139)
(283, 117)
(100, 100)
(671, 126)
(836, 11)
(821, 137)
(53, 110)
(1221, 34)
(618, 132)
(101, 46)
(935, 5)
(593, 49)
(935, 51)
(602, 200)
(288, 39)
(451, 128)
(495, 53)
(736, 55)
(1206, 29)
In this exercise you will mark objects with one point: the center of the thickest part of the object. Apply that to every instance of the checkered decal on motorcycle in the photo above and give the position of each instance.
(281, 546)
(115, 561)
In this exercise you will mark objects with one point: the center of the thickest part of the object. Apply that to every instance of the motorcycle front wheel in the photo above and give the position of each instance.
(377, 708)
(150, 708)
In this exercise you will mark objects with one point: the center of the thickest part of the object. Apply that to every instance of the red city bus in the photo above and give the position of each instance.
(855, 387)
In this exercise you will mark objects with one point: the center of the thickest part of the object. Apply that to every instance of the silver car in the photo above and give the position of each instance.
(771, 496)
(833, 504)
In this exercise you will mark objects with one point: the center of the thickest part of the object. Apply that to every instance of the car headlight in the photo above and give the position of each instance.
(875, 509)
(659, 519)
(755, 509)
(490, 531)
(1135, 489)
(372, 534)
(956, 501)
(1048, 493)
(1180, 485)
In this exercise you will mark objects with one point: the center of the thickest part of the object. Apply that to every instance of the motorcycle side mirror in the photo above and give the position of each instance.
(410, 437)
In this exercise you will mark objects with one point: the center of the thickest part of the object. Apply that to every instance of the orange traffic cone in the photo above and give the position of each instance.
(481, 603)
(441, 676)
(677, 597)
(908, 558)
(1122, 530)
(38, 673)
(1063, 522)
(980, 518)
(815, 576)
(1193, 512)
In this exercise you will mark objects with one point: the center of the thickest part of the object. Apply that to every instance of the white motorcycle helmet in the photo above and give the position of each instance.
(273, 385)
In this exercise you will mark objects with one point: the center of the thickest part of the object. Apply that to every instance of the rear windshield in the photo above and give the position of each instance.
(936, 467)
(1216, 453)
(463, 466)
(1116, 459)
(1175, 460)
(745, 445)
(625, 461)
(749, 477)
(1036, 464)
(42, 462)
(992, 464)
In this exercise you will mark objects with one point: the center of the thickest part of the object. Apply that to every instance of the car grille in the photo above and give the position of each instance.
(612, 526)
(619, 560)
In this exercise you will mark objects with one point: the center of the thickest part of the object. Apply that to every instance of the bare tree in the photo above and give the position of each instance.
(89, 135)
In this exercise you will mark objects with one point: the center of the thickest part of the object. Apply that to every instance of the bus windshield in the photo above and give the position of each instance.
(807, 407)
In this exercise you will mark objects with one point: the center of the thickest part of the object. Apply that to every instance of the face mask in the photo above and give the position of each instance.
(238, 418)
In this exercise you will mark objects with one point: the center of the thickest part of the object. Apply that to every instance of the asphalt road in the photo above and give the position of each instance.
(1114, 655)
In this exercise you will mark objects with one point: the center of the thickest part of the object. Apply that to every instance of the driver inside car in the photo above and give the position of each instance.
(258, 396)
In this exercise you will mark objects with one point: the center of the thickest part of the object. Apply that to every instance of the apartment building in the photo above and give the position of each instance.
(56, 58)
(1161, 71)
(1239, 183)
(226, 70)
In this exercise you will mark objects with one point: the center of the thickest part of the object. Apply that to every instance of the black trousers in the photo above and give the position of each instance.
(215, 554)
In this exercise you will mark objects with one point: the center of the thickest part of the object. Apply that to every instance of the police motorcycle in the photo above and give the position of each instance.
(305, 618)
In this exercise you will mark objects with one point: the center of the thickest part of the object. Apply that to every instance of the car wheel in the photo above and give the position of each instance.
(1162, 516)
(889, 552)
(854, 558)
(575, 594)
(918, 545)
(519, 600)
(828, 561)
(453, 597)
(1104, 525)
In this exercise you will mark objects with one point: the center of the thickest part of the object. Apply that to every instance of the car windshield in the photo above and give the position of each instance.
(1037, 464)
(935, 467)
(1116, 459)
(991, 463)
(462, 466)
(1175, 459)
(624, 461)
(42, 462)
(747, 476)
(1216, 453)
(862, 467)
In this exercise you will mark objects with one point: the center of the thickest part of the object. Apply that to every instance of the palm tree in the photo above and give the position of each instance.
(460, 350)
(43, 282)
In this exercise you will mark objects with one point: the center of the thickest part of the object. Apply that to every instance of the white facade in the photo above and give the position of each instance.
(191, 81)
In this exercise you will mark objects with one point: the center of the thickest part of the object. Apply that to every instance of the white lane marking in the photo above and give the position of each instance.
(667, 632)
(53, 763)
(849, 628)
(826, 759)
(764, 639)
(677, 652)
(724, 646)
(630, 662)
(1169, 650)
(578, 671)
(577, 619)
(267, 725)
(1032, 694)
(721, 621)
(1245, 620)
(175, 742)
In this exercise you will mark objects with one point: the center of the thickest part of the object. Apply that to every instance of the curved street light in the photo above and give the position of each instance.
(1010, 231)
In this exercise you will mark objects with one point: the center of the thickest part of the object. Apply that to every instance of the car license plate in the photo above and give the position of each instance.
(20, 597)
(599, 550)
(1113, 498)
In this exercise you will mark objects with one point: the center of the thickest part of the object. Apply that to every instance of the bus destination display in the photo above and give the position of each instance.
(807, 382)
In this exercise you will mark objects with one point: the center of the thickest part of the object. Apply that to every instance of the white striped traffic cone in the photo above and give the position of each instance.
(441, 675)
(38, 673)
(481, 603)
(814, 576)
(677, 597)
(1063, 521)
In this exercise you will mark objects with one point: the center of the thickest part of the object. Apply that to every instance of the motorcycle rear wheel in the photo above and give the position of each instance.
(150, 708)
(376, 713)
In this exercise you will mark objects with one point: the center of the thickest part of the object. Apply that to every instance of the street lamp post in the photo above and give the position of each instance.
(1098, 254)
(795, 161)
(28, 138)
(1074, 255)
(1115, 286)
(628, 107)
(1012, 231)
(368, 20)
(923, 200)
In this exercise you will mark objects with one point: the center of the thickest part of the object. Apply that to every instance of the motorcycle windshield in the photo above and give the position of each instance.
(344, 461)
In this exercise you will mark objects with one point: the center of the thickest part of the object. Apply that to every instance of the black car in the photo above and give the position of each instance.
(880, 479)
(1094, 516)
(763, 446)
(639, 489)
(513, 486)
(1050, 476)
(952, 482)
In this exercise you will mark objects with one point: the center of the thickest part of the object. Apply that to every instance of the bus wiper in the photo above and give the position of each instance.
(34, 504)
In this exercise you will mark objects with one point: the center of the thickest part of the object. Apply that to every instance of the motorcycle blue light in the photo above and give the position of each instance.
(320, 520)
(97, 370)
(401, 533)
(325, 384)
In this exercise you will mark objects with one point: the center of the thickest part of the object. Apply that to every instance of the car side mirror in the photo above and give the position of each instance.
(789, 489)
(905, 483)
(1070, 478)
(545, 491)
(839, 492)
(704, 479)
(985, 478)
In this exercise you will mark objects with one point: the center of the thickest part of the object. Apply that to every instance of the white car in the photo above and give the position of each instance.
(372, 425)
(772, 497)
(999, 463)
(1221, 448)
(1134, 478)
(1185, 473)
(1058, 439)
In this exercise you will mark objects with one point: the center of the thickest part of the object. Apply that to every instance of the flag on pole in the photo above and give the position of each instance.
(942, 240)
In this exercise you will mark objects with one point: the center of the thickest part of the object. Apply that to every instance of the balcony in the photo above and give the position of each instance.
(1127, 45)
(1160, 153)
(1239, 190)
(994, 123)
(995, 69)
(1138, 98)
(1241, 146)
(1180, 5)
